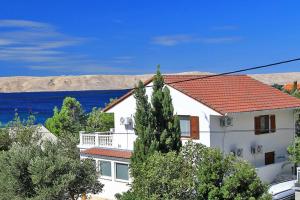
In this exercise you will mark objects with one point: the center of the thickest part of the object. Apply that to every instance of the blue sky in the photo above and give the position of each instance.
(64, 37)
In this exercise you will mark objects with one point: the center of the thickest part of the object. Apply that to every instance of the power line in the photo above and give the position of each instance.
(238, 71)
(216, 75)
(221, 74)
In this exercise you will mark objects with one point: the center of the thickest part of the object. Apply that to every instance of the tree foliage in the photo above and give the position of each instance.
(222, 176)
(99, 121)
(294, 151)
(197, 172)
(5, 140)
(146, 143)
(155, 124)
(166, 124)
(70, 118)
(34, 169)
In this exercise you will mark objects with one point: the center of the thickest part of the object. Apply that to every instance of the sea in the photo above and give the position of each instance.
(41, 104)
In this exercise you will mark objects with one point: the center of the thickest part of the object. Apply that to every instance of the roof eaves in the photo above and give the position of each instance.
(125, 96)
(209, 106)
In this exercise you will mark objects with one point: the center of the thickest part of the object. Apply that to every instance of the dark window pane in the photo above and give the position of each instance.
(105, 168)
(185, 126)
(122, 171)
(269, 158)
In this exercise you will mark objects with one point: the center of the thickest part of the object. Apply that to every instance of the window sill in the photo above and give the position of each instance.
(122, 181)
(185, 137)
(264, 133)
(105, 178)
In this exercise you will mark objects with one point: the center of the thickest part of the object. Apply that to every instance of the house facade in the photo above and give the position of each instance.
(235, 114)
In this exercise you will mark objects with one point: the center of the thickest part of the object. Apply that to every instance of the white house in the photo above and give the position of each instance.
(234, 113)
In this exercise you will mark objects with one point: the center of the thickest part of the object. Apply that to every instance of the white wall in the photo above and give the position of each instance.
(241, 135)
(268, 173)
(111, 185)
(183, 105)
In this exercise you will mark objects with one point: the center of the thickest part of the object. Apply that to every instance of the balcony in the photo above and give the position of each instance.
(106, 140)
(277, 172)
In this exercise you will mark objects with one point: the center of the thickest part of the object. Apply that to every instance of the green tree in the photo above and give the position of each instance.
(222, 176)
(99, 121)
(45, 171)
(166, 124)
(294, 151)
(197, 172)
(163, 176)
(146, 143)
(155, 125)
(5, 140)
(69, 119)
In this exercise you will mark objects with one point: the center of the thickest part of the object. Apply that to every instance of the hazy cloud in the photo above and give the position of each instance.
(172, 40)
(40, 46)
(24, 24)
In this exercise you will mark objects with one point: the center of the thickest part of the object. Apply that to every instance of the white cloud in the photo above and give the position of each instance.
(219, 40)
(40, 46)
(23, 24)
(4, 42)
(172, 40)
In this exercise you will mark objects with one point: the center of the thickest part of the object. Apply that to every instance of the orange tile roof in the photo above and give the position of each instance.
(229, 93)
(233, 93)
(109, 106)
(108, 152)
(290, 86)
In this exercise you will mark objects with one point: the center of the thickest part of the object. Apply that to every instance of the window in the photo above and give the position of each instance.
(122, 171)
(264, 124)
(185, 126)
(269, 158)
(189, 127)
(105, 168)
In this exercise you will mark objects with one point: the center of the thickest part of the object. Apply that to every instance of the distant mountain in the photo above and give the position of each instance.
(279, 78)
(107, 82)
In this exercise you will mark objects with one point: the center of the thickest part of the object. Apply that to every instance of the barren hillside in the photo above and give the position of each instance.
(106, 82)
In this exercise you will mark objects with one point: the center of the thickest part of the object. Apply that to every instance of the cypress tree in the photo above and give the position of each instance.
(166, 125)
(155, 125)
(146, 143)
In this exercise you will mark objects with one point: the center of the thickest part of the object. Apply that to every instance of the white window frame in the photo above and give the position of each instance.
(111, 166)
(115, 170)
(188, 119)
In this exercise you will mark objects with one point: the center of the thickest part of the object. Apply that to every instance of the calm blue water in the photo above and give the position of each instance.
(41, 104)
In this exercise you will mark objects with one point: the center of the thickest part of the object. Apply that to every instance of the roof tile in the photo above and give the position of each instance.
(232, 93)
(108, 152)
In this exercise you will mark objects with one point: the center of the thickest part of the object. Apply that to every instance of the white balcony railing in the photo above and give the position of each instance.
(106, 140)
(278, 170)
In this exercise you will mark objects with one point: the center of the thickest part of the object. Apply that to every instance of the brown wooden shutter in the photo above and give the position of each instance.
(257, 125)
(273, 123)
(194, 123)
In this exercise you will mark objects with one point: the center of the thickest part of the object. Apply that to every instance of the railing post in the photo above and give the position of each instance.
(81, 138)
(96, 139)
